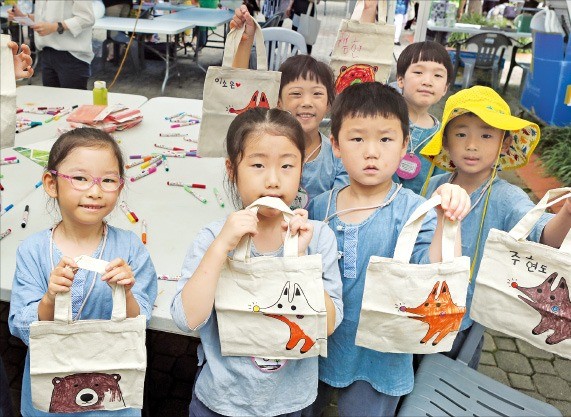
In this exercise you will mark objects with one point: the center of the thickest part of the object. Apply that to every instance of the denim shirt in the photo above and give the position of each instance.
(33, 268)
(419, 137)
(323, 173)
(506, 207)
(238, 386)
(389, 373)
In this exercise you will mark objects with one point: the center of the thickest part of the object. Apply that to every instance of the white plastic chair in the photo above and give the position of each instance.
(281, 43)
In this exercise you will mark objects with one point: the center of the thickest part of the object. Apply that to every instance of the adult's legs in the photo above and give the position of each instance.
(399, 19)
(5, 399)
(49, 73)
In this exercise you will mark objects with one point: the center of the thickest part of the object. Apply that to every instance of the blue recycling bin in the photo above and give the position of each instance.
(549, 80)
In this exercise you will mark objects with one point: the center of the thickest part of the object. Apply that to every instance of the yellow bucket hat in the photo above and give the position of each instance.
(489, 106)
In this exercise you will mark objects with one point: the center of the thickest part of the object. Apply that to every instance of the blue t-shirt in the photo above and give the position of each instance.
(389, 373)
(239, 386)
(322, 174)
(33, 268)
(506, 207)
(419, 137)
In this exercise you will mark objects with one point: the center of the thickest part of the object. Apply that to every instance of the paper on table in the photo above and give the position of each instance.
(24, 20)
(91, 264)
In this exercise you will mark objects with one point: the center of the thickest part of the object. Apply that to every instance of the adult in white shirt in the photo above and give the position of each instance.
(64, 34)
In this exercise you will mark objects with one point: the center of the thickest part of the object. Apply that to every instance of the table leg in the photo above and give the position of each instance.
(167, 62)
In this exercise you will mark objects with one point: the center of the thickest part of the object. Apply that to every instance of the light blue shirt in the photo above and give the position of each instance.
(234, 385)
(33, 268)
(323, 173)
(389, 373)
(419, 137)
(506, 207)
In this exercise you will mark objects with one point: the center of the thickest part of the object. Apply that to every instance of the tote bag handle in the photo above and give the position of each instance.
(63, 312)
(242, 251)
(409, 233)
(381, 11)
(233, 40)
(523, 228)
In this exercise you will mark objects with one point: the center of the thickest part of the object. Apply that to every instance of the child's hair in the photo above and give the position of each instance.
(254, 123)
(369, 100)
(307, 67)
(84, 137)
(425, 51)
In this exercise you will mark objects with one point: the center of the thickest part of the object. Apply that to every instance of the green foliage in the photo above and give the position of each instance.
(555, 152)
(476, 19)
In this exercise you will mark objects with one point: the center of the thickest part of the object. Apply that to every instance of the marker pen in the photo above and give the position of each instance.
(169, 148)
(25, 217)
(126, 213)
(165, 162)
(218, 197)
(12, 161)
(195, 194)
(192, 122)
(144, 173)
(6, 233)
(132, 213)
(6, 209)
(144, 232)
(181, 184)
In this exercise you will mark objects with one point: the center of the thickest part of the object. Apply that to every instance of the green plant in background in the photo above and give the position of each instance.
(555, 152)
(476, 19)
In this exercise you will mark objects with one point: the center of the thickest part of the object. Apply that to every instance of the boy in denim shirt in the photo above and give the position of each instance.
(370, 134)
(477, 138)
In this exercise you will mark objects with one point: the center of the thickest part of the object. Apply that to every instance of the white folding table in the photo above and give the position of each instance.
(148, 26)
(174, 216)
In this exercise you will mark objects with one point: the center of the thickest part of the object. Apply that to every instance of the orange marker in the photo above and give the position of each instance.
(144, 232)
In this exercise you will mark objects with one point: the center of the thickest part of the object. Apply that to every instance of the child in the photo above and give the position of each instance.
(306, 91)
(424, 72)
(85, 175)
(369, 133)
(265, 156)
(477, 135)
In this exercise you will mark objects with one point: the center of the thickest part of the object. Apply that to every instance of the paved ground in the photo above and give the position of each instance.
(172, 358)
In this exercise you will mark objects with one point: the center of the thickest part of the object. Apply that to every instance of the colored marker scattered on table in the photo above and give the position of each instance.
(165, 277)
(126, 213)
(169, 148)
(9, 162)
(38, 184)
(181, 184)
(144, 173)
(6, 209)
(195, 194)
(25, 216)
(165, 162)
(131, 212)
(144, 232)
(218, 197)
(6, 233)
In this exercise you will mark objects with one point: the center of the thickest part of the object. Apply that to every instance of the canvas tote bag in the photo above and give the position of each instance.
(307, 25)
(272, 307)
(522, 287)
(410, 308)
(230, 91)
(88, 365)
(7, 94)
(363, 52)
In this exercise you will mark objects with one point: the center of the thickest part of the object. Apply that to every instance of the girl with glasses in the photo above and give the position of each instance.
(84, 176)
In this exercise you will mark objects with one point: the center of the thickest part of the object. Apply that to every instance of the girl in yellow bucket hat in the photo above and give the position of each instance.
(479, 136)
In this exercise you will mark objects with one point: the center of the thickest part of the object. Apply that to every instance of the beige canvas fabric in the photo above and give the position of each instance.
(522, 287)
(410, 308)
(7, 94)
(88, 364)
(363, 52)
(230, 91)
(307, 25)
(272, 307)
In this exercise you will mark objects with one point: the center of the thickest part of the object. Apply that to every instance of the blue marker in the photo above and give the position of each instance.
(38, 184)
(6, 209)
